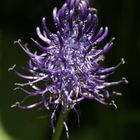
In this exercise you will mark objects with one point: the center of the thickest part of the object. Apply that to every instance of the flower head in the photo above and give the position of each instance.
(69, 70)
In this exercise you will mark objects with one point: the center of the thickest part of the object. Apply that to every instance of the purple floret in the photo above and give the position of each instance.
(69, 68)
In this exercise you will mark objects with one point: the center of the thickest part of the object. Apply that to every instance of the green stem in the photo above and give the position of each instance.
(59, 126)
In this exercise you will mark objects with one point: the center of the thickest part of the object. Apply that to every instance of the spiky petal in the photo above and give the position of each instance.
(68, 70)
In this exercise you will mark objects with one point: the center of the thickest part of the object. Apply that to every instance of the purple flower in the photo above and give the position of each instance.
(68, 69)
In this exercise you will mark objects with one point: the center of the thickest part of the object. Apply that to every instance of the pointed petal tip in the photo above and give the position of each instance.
(95, 10)
(43, 19)
(106, 28)
(37, 29)
(54, 11)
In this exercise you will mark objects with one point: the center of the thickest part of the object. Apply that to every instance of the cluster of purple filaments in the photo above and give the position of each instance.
(68, 70)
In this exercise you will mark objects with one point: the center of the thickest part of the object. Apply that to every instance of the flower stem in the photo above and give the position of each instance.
(59, 125)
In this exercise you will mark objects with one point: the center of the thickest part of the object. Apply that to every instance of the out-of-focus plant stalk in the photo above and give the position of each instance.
(60, 125)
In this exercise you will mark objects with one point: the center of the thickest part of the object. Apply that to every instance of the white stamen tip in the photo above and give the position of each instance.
(113, 103)
(15, 105)
(117, 93)
(18, 41)
(16, 88)
(125, 80)
(123, 61)
(113, 38)
(11, 68)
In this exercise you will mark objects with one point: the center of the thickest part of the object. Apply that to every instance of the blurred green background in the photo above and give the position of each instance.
(18, 19)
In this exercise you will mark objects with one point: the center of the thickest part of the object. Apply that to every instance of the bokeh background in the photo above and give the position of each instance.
(18, 19)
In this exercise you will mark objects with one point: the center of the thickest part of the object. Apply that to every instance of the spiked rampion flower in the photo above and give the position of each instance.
(68, 70)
